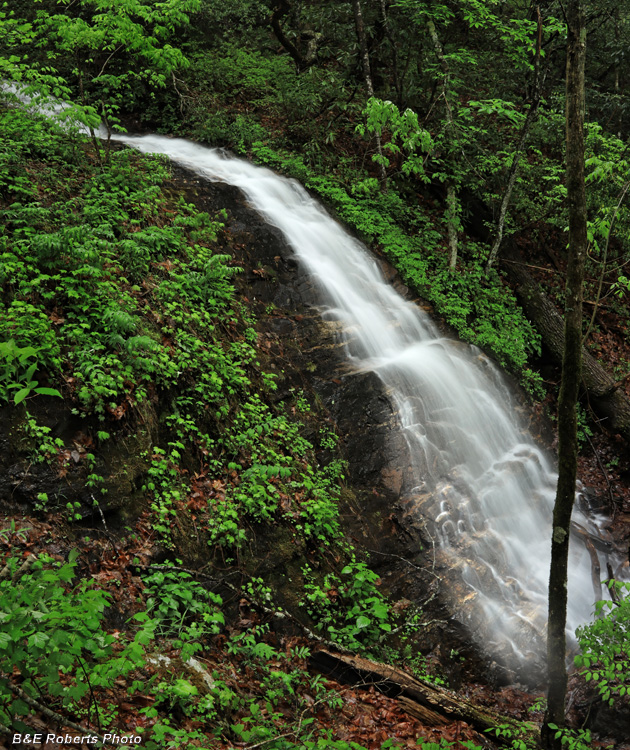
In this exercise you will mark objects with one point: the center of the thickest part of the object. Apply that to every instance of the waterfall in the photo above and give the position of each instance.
(482, 487)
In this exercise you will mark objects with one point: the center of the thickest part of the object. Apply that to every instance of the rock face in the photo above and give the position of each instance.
(307, 354)
(28, 479)
(310, 355)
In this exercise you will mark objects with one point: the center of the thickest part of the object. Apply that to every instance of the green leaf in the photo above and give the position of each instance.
(48, 392)
(363, 622)
(30, 371)
(21, 395)
(38, 639)
(184, 689)
(19, 707)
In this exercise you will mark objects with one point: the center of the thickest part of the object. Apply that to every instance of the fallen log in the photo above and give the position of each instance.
(431, 704)
(605, 397)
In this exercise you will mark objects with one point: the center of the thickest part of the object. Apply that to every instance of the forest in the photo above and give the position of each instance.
(244, 506)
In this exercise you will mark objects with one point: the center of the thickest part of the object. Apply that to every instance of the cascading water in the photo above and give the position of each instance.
(480, 482)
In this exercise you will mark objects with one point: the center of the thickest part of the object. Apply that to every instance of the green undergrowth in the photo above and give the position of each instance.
(123, 299)
(117, 302)
(472, 300)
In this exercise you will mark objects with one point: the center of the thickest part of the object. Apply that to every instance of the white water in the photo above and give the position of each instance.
(480, 481)
(486, 487)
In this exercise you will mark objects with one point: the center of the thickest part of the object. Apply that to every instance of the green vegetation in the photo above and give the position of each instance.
(15, 377)
(48, 630)
(132, 382)
(134, 303)
(604, 656)
(348, 607)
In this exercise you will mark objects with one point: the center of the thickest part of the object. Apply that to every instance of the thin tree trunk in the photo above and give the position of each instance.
(604, 261)
(95, 142)
(571, 369)
(452, 204)
(617, 66)
(388, 34)
(369, 86)
(529, 120)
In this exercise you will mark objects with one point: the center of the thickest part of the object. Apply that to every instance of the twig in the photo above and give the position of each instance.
(564, 12)
(92, 696)
(528, 265)
(53, 714)
(295, 732)
(120, 46)
(182, 97)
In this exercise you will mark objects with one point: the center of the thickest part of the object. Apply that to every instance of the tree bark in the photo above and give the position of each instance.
(453, 208)
(433, 705)
(369, 86)
(388, 34)
(605, 396)
(452, 211)
(571, 375)
(303, 62)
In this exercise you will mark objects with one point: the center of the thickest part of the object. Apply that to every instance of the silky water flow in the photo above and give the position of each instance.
(484, 491)
(484, 487)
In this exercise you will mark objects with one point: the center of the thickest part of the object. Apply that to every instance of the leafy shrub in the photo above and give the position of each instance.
(17, 371)
(350, 608)
(604, 644)
(50, 627)
(183, 610)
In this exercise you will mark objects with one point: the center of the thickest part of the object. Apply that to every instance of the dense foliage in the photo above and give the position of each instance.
(119, 295)
(119, 309)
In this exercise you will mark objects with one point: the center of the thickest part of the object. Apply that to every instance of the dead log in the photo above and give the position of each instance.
(605, 397)
(431, 704)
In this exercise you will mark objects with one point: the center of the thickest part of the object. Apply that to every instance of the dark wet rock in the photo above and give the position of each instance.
(610, 721)
(34, 472)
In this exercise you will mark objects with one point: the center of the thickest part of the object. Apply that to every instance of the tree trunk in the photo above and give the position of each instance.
(388, 34)
(431, 704)
(571, 367)
(452, 224)
(605, 397)
(303, 62)
(453, 209)
(532, 114)
(369, 86)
